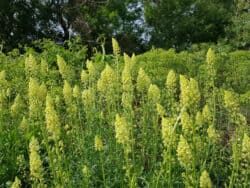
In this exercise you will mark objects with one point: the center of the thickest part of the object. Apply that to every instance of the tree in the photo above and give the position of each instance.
(238, 33)
(24, 21)
(178, 23)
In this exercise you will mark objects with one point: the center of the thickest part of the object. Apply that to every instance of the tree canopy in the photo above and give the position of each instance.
(137, 24)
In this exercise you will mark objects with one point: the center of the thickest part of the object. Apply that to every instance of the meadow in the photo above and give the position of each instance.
(159, 119)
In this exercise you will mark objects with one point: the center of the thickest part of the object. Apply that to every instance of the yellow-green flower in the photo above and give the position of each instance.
(160, 109)
(143, 81)
(206, 114)
(121, 130)
(184, 152)
(205, 181)
(23, 124)
(210, 57)
(31, 66)
(184, 84)
(36, 170)
(91, 69)
(211, 132)
(186, 122)
(16, 183)
(34, 101)
(246, 148)
(64, 69)
(16, 107)
(106, 84)
(230, 102)
(76, 92)
(171, 83)
(84, 78)
(67, 92)
(116, 48)
(88, 97)
(98, 143)
(168, 134)
(154, 94)
(52, 120)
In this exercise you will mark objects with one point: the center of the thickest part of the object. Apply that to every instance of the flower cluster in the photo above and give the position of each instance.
(205, 181)
(143, 81)
(184, 152)
(36, 170)
(121, 130)
(171, 83)
(52, 120)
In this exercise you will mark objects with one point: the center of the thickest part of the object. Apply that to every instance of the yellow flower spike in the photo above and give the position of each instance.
(160, 110)
(16, 106)
(88, 97)
(184, 152)
(67, 92)
(85, 171)
(210, 59)
(206, 114)
(63, 68)
(23, 124)
(246, 148)
(143, 81)
(106, 83)
(116, 47)
(205, 181)
(52, 120)
(42, 92)
(127, 85)
(154, 94)
(194, 93)
(31, 66)
(76, 92)
(184, 84)
(230, 102)
(167, 131)
(211, 132)
(36, 170)
(121, 130)
(186, 122)
(16, 183)
(33, 96)
(98, 143)
(91, 69)
(171, 82)
(84, 77)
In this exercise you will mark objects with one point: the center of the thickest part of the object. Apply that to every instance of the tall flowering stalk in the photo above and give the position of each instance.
(107, 87)
(190, 95)
(52, 120)
(99, 147)
(186, 159)
(36, 169)
(31, 66)
(127, 85)
(122, 135)
(143, 82)
(37, 94)
(171, 87)
(64, 69)
(205, 181)
(17, 107)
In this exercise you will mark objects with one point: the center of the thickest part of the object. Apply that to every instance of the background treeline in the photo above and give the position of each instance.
(137, 24)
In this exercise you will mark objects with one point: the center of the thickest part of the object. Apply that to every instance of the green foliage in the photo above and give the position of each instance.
(160, 119)
(178, 24)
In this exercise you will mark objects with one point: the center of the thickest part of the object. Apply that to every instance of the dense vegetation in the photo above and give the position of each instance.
(159, 119)
(137, 24)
